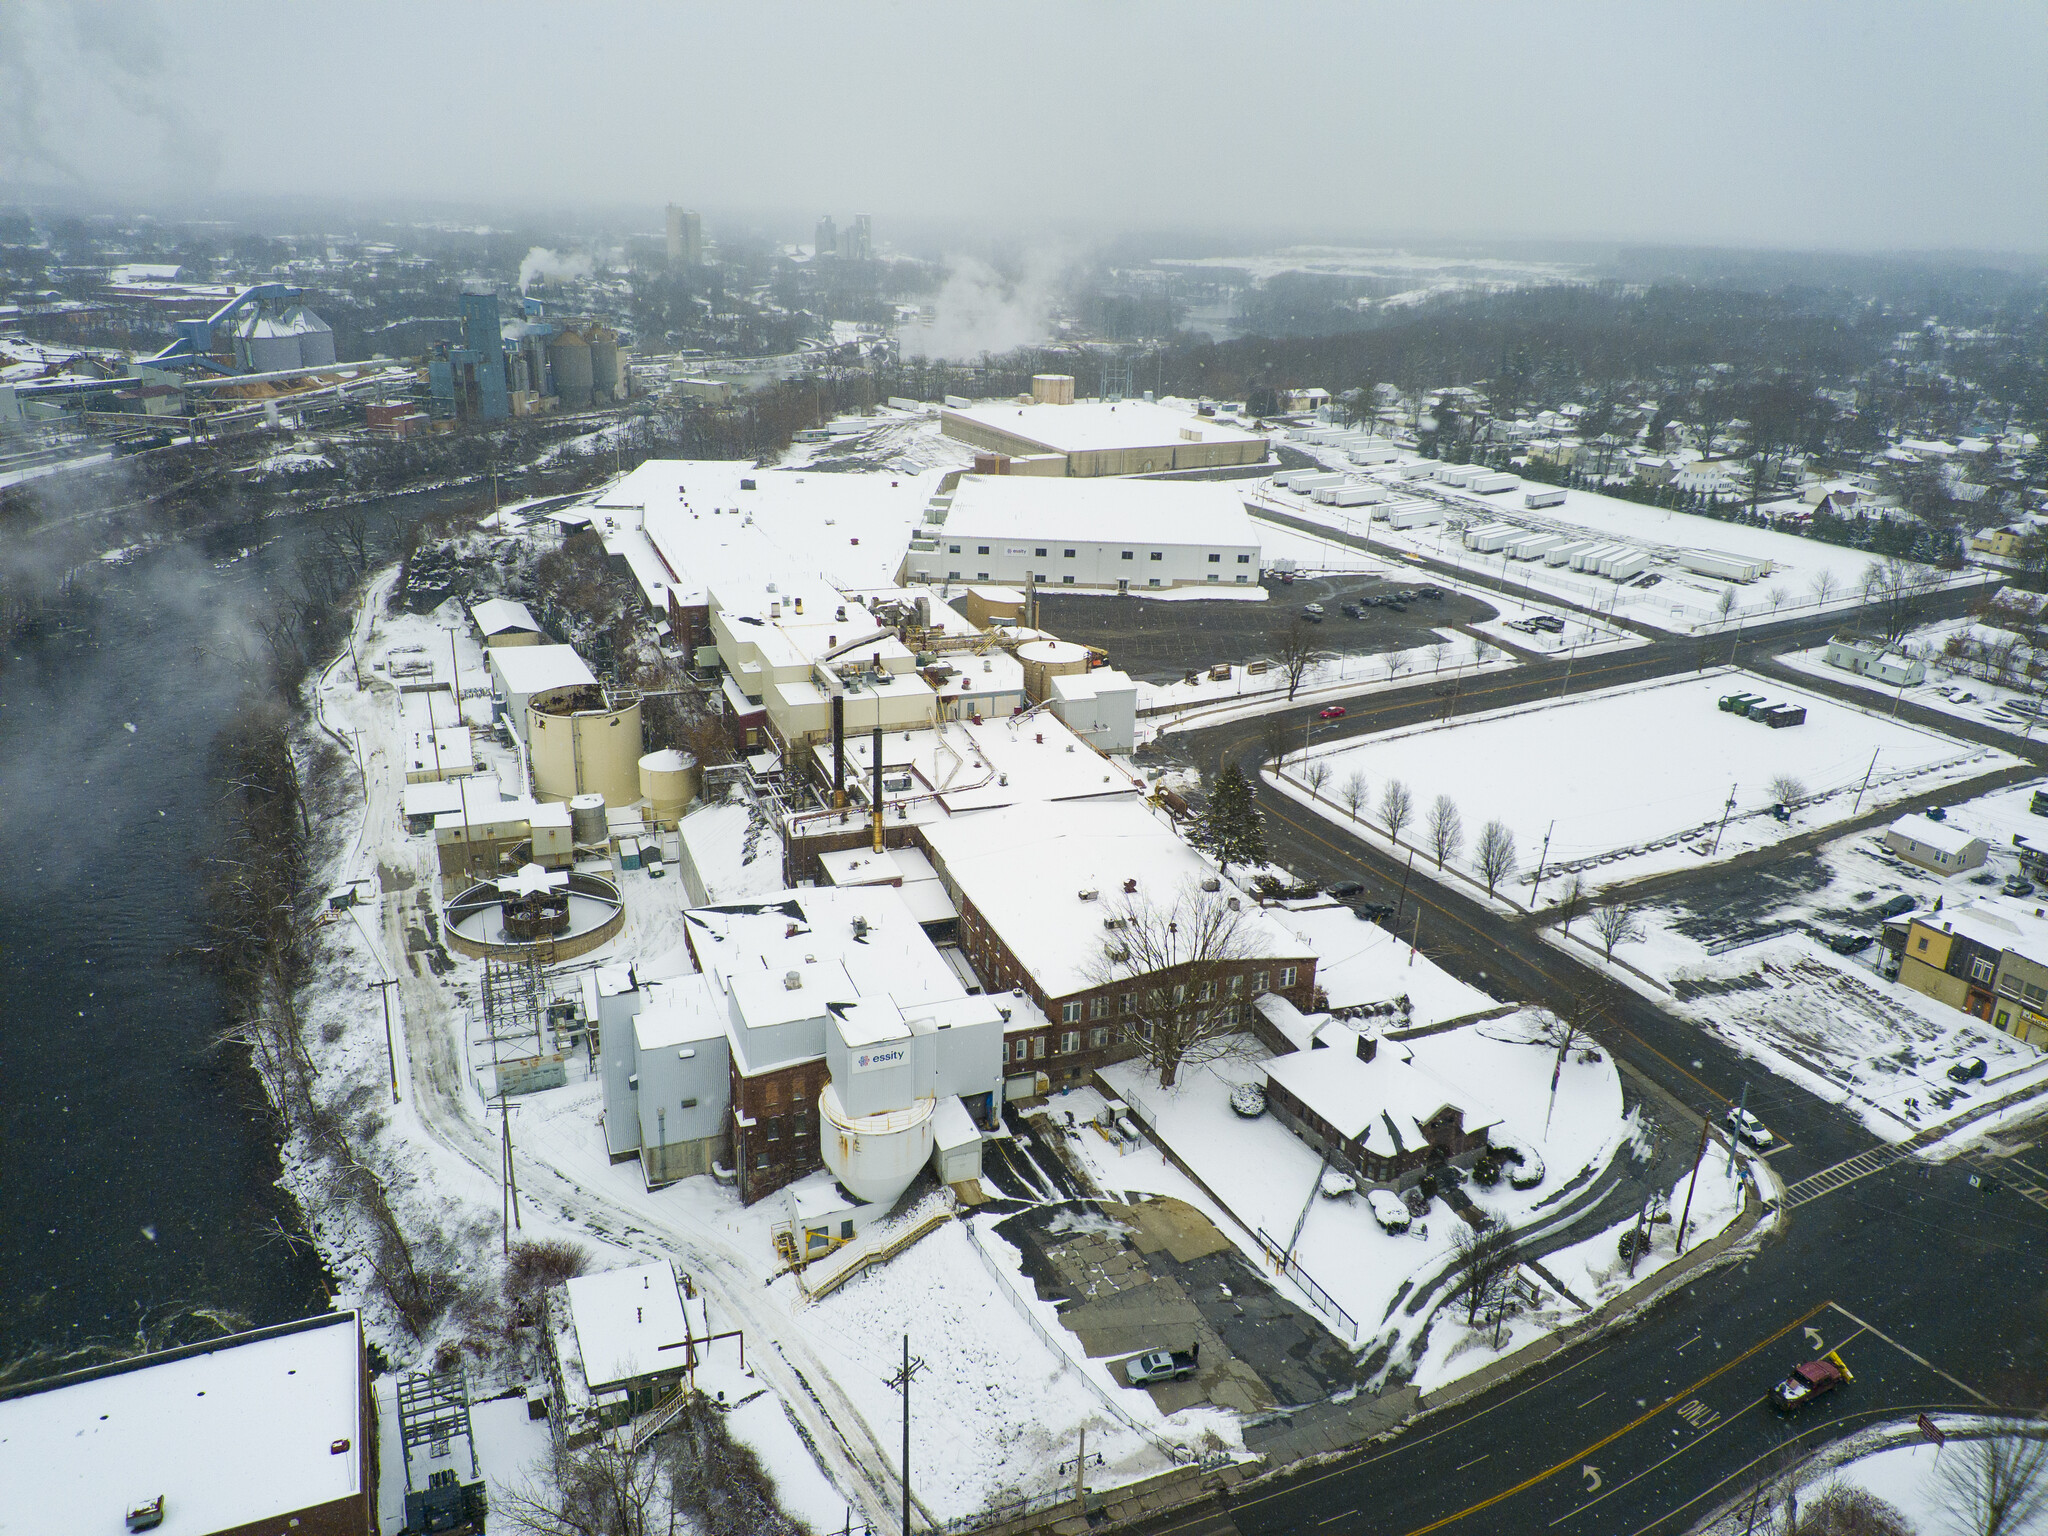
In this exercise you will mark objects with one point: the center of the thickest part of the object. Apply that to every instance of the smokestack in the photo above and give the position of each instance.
(838, 751)
(878, 775)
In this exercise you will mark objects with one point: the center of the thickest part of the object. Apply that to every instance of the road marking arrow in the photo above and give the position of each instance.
(1813, 1337)
(1592, 1475)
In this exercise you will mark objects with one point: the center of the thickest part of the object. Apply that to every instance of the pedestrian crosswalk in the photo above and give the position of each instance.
(1848, 1171)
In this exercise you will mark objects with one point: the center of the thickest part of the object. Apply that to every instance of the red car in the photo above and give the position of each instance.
(1334, 712)
(1808, 1381)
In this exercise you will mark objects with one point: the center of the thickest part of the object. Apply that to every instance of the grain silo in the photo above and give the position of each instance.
(604, 363)
(316, 337)
(668, 783)
(1046, 659)
(582, 743)
(266, 344)
(569, 362)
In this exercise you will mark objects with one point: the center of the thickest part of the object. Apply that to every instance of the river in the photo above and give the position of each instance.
(137, 1165)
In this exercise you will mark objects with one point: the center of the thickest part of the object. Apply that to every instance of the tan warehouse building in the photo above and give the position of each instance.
(1098, 437)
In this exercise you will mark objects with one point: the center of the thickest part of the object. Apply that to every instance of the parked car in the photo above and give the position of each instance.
(2017, 885)
(1334, 712)
(1850, 943)
(1163, 1365)
(1342, 888)
(1968, 1070)
(1898, 906)
(1813, 1379)
(1373, 911)
(1312, 608)
(1352, 611)
(1748, 1129)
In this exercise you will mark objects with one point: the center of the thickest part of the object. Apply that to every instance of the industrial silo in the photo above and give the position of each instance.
(580, 743)
(588, 824)
(1046, 659)
(668, 783)
(265, 344)
(569, 361)
(604, 363)
(316, 337)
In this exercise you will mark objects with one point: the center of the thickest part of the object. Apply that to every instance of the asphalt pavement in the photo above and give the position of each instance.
(1935, 1291)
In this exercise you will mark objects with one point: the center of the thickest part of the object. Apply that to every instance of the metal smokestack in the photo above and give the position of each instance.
(878, 776)
(838, 751)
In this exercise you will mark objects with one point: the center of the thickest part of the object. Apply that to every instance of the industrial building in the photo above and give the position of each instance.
(494, 369)
(1052, 433)
(617, 1344)
(270, 1430)
(500, 621)
(1116, 535)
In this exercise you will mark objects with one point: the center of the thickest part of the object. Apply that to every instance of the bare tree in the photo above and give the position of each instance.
(1571, 902)
(600, 1489)
(1315, 775)
(1446, 829)
(1786, 790)
(1495, 853)
(1279, 740)
(1397, 663)
(1824, 586)
(1998, 1486)
(1777, 595)
(1844, 1510)
(1724, 605)
(1355, 792)
(1438, 650)
(1891, 592)
(1180, 969)
(1615, 922)
(1484, 1259)
(1295, 650)
(1396, 806)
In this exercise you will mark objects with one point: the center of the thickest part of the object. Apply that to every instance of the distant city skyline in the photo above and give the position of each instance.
(1829, 125)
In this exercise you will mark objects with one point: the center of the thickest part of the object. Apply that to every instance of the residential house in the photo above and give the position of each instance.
(1934, 845)
(1871, 658)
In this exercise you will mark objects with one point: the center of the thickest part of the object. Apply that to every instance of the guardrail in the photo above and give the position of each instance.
(1321, 1299)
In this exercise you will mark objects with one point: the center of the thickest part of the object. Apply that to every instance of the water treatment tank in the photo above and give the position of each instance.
(668, 783)
(1046, 659)
(581, 742)
(588, 824)
(569, 361)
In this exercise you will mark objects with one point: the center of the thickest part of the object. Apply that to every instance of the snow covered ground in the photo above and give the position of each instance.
(1950, 692)
(1634, 780)
(1267, 1178)
(1831, 1023)
(1454, 656)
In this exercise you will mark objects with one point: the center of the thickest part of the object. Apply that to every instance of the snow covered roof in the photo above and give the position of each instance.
(629, 1324)
(952, 1126)
(970, 767)
(734, 860)
(1998, 922)
(1357, 1098)
(500, 615)
(1089, 426)
(1359, 964)
(1024, 868)
(1934, 834)
(235, 1433)
(531, 669)
(1107, 510)
(685, 1010)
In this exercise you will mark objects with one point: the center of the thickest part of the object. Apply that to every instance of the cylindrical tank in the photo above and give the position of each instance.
(875, 1156)
(1052, 388)
(604, 364)
(267, 346)
(581, 744)
(569, 360)
(316, 338)
(587, 823)
(668, 783)
(1046, 659)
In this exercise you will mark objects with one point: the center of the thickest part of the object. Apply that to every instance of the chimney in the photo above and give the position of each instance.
(878, 776)
(838, 751)
(1368, 1047)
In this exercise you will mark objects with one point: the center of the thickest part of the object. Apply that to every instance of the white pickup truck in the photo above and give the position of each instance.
(1163, 1365)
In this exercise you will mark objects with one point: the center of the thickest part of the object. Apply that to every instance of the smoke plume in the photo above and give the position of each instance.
(544, 265)
(979, 310)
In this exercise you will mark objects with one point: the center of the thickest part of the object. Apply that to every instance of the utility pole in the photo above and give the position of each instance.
(1541, 859)
(1401, 901)
(1726, 811)
(1415, 941)
(1866, 782)
(509, 1215)
(390, 1051)
(1081, 1474)
(901, 1382)
(1706, 1122)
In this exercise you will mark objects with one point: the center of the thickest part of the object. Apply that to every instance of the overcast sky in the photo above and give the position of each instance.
(1820, 123)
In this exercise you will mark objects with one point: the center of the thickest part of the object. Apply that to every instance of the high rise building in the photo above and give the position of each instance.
(685, 237)
(827, 242)
(860, 240)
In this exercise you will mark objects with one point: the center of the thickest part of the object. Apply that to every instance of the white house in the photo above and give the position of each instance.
(1867, 658)
(1934, 845)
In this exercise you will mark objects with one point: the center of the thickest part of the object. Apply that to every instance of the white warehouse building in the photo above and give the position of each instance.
(1108, 534)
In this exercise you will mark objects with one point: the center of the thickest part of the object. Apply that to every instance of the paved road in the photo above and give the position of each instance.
(1936, 1292)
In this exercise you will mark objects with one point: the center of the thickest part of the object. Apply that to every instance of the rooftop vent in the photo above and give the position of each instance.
(147, 1515)
(793, 981)
(860, 927)
(1089, 893)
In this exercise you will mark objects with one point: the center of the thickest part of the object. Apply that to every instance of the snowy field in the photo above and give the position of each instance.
(1680, 601)
(1946, 691)
(1632, 781)
(1267, 1177)
(1769, 987)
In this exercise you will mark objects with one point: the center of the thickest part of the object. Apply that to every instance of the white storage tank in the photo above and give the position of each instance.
(668, 783)
(875, 1156)
(1046, 659)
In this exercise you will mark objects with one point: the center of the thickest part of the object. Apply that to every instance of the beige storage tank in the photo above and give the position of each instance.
(582, 744)
(588, 824)
(1052, 388)
(668, 783)
(1047, 659)
(604, 364)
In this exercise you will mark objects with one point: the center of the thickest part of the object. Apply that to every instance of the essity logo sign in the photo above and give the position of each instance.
(869, 1061)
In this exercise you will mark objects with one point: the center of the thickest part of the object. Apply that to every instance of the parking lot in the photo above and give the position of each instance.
(1159, 641)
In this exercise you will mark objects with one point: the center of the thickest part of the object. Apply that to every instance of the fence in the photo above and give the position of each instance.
(1321, 1299)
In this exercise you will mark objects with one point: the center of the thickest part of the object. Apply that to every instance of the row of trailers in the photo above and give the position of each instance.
(1617, 562)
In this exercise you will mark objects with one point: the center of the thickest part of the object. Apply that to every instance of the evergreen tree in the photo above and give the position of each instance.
(1232, 828)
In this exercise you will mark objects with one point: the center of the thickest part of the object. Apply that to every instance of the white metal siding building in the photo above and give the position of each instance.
(1113, 535)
